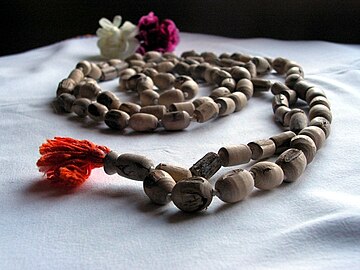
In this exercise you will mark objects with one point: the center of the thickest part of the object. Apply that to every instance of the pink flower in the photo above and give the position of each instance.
(155, 36)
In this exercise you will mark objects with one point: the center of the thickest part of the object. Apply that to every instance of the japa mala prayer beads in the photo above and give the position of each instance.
(167, 86)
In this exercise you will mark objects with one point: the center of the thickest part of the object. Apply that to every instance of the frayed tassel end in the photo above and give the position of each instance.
(68, 161)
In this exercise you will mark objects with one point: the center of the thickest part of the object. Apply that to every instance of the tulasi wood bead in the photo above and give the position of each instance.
(65, 86)
(262, 65)
(219, 92)
(158, 185)
(177, 173)
(190, 89)
(320, 111)
(181, 68)
(177, 120)
(151, 72)
(250, 66)
(118, 64)
(218, 76)
(279, 64)
(316, 134)
(305, 144)
(322, 123)
(116, 119)
(156, 110)
(164, 81)
(192, 194)
(301, 87)
(89, 90)
(130, 108)
(293, 163)
(278, 88)
(149, 97)
(144, 83)
(229, 83)
(80, 106)
(165, 66)
(314, 92)
(262, 149)
(187, 106)
(280, 114)
(143, 122)
(291, 96)
(319, 100)
(289, 114)
(226, 105)
(76, 75)
(64, 102)
(198, 101)
(293, 79)
(108, 73)
(97, 111)
(110, 163)
(240, 100)
(84, 66)
(295, 70)
(152, 55)
(206, 111)
(131, 83)
(298, 121)
(95, 72)
(241, 57)
(246, 87)
(291, 64)
(279, 100)
(136, 63)
(109, 99)
(135, 56)
(207, 166)
(267, 175)
(209, 73)
(234, 155)
(239, 73)
(179, 80)
(282, 141)
(235, 186)
(134, 166)
(126, 73)
(169, 97)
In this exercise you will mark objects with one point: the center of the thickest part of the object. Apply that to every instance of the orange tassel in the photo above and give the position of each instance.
(69, 161)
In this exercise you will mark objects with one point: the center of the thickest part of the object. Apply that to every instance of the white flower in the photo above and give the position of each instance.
(115, 41)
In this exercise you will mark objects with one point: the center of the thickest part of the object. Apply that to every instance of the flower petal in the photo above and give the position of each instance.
(117, 20)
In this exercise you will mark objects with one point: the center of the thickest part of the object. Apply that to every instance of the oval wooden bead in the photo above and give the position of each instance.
(171, 96)
(64, 103)
(218, 76)
(301, 87)
(110, 163)
(234, 155)
(305, 144)
(319, 100)
(126, 73)
(279, 64)
(206, 111)
(209, 73)
(151, 72)
(80, 106)
(262, 65)
(130, 108)
(235, 186)
(89, 90)
(133, 166)
(278, 88)
(291, 64)
(246, 87)
(293, 79)
(97, 111)
(262, 149)
(219, 92)
(144, 83)
(177, 173)
(240, 100)
(226, 105)
(250, 66)
(289, 114)
(322, 123)
(298, 121)
(187, 106)
(316, 134)
(192, 194)
(116, 119)
(151, 55)
(164, 81)
(229, 83)
(143, 122)
(136, 63)
(190, 89)
(134, 56)
(65, 86)
(108, 73)
(165, 66)
(293, 163)
(109, 99)
(181, 68)
(131, 83)
(261, 84)
(198, 101)
(149, 97)
(158, 185)
(239, 73)
(84, 66)
(156, 110)
(177, 120)
(295, 70)
(180, 80)
(282, 141)
(267, 175)
(76, 75)
(118, 64)
(279, 100)
(95, 72)
(280, 114)
(314, 92)
(320, 111)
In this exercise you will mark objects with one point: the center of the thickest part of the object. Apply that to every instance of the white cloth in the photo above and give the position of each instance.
(109, 223)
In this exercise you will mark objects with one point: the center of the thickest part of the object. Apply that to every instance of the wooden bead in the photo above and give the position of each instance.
(298, 121)
(218, 76)
(261, 84)
(279, 64)
(80, 106)
(291, 80)
(89, 90)
(144, 83)
(165, 66)
(198, 101)
(102, 64)
(95, 72)
(312, 93)
(305, 144)
(291, 64)
(239, 73)
(235, 186)
(149, 97)
(229, 83)
(226, 105)
(190, 89)
(151, 55)
(291, 96)
(206, 111)
(289, 114)
(134, 56)
(301, 87)
(208, 56)
(262, 149)
(136, 63)
(279, 100)
(84, 66)
(320, 111)
(180, 80)
(169, 97)
(234, 155)
(176, 172)
(187, 106)
(132, 82)
(110, 163)
(267, 175)
(293, 163)
(64, 103)
(118, 64)
(240, 100)
(282, 141)
(219, 92)
(280, 114)
(97, 111)
(278, 88)
(181, 68)
(209, 73)
(250, 66)
(108, 73)
(246, 87)
(158, 185)
(262, 65)
(151, 72)
(295, 70)
(316, 134)
(189, 53)
(177, 120)
(65, 86)
(319, 100)
(130, 108)
(126, 73)
(109, 99)
(156, 110)
(116, 119)
(198, 71)
(192, 194)
(164, 81)
(134, 166)
(322, 123)
(207, 166)
(143, 122)
(76, 75)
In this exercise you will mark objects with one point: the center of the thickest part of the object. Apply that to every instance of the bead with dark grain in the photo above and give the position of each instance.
(192, 195)
(179, 80)
(207, 166)
(267, 175)
(240, 100)
(198, 101)
(95, 72)
(158, 185)
(301, 87)
(134, 166)
(279, 100)
(89, 90)
(246, 87)
(291, 80)
(131, 83)
(239, 73)
(64, 103)
(316, 134)
(229, 83)
(279, 64)
(291, 64)
(66, 86)
(289, 114)
(219, 92)
(234, 155)
(241, 57)
(298, 121)
(262, 65)
(280, 114)
(209, 73)
(262, 149)
(110, 163)
(320, 111)
(151, 55)
(190, 89)
(177, 173)
(143, 122)
(144, 83)
(108, 73)
(261, 84)
(282, 141)
(181, 68)
(80, 106)
(322, 123)
(165, 66)
(206, 111)
(109, 99)
(164, 81)
(319, 100)
(291, 96)
(218, 76)
(312, 93)
(116, 119)
(171, 96)
(151, 72)
(234, 186)
(278, 88)
(136, 63)
(156, 110)
(97, 111)
(149, 97)
(76, 75)
(134, 56)
(187, 106)
(250, 66)
(305, 144)
(130, 108)
(177, 120)
(118, 64)
(226, 105)
(293, 163)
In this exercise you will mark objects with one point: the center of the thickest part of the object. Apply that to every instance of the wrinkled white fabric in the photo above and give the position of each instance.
(109, 223)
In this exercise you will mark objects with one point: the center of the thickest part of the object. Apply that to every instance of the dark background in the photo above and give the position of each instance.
(31, 24)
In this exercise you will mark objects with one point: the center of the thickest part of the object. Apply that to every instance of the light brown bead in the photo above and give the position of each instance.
(136, 63)
(305, 144)
(234, 155)
(76, 75)
(134, 166)
(291, 96)
(192, 194)
(151, 72)
(177, 173)
(319, 100)
(66, 86)
(116, 119)
(171, 96)
(229, 83)
(143, 122)
(165, 66)
(118, 64)
(208, 74)
(235, 186)
(109, 99)
(295, 70)
(134, 56)
(144, 83)
(110, 163)
(316, 134)
(151, 55)
(149, 97)
(298, 121)
(156, 110)
(190, 89)
(241, 57)
(84, 66)
(127, 73)
(95, 72)
(282, 141)
(130, 108)
(198, 101)
(280, 114)
(158, 185)
(177, 120)
(108, 73)
(180, 80)
(187, 106)
(293, 163)
(89, 90)
(320, 111)
(97, 111)
(219, 92)
(322, 123)
(80, 106)
(132, 82)
(164, 81)
(218, 76)
(267, 175)
(206, 111)
(246, 87)
(279, 100)
(262, 65)
(226, 105)
(314, 92)
(262, 149)
(239, 73)
(291, 64)
(240, 100)
(279, 64)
